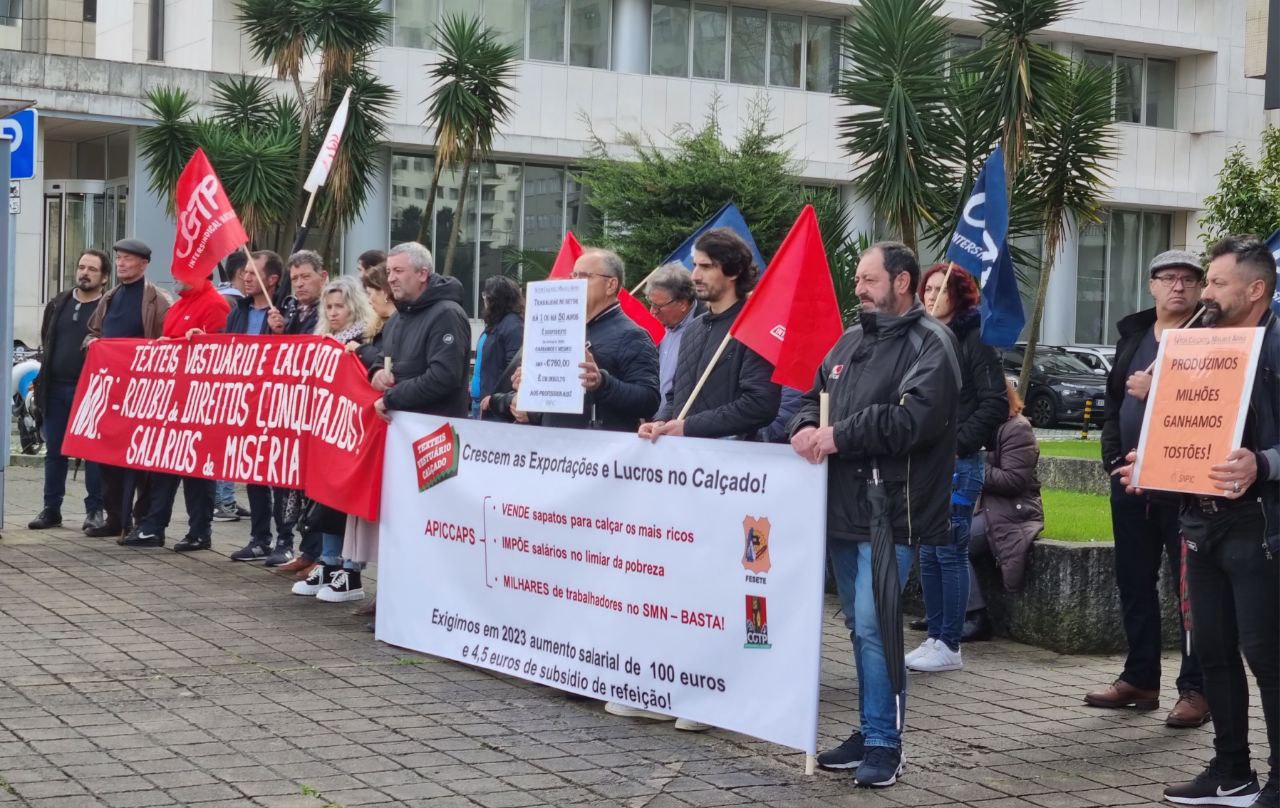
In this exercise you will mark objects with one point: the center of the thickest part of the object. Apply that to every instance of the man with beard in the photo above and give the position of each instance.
(894, 387)
(1146, 525)
(62, 333)
(1233, 546)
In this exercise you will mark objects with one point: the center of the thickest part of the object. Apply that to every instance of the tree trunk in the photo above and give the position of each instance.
(458, 220)
(330, 231)
(424, 227)
(1033, 330)
(907, 229)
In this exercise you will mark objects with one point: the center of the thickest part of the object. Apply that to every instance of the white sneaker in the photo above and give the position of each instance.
(689, 725)
(313, 582)
(938, 659)
(614, 708)
(920, 650)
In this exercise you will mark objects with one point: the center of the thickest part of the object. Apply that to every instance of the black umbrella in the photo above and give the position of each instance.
(887, 590)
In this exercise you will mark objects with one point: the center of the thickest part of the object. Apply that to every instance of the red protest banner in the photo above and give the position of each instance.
(289, 412)
(208, 228)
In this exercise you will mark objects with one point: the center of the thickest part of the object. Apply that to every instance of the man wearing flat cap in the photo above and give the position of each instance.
(1146, 525)
(134, 308)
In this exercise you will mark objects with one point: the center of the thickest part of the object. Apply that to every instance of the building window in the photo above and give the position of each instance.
(155, 30)
(546, 30)
(1144, 88)
(90, 11)
(1111, 260)
(589, 29)
(783, 50)
(10, 12)
(415, 21)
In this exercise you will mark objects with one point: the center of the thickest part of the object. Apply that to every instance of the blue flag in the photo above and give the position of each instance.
(980, 245)
(1273, 244)
(728, 216)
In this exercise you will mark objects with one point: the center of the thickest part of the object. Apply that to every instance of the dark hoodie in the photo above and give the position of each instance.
(429, 342)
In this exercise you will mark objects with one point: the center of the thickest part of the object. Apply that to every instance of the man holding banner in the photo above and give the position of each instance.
(894, 384)
(1233, 544)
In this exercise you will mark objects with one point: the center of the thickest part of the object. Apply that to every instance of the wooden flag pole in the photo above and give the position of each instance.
(705, 374)
(641, 284)
(254, 266)
(946, 278)
(306, 215)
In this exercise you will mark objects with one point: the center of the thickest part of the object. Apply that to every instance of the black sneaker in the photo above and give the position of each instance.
(105, 531)
(93, 521)
(343, 585)
(281, 555)
(49, 517)
(1269, 797)
(1214, 786)
(141, 538)
(191, 543)
(240, 510)
(845, 756)
(881, 767)
(225, 513)
(253, 551)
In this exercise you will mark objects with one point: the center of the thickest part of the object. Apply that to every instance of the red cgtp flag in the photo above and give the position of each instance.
(208, 228)
(570, 252)
(792, 318)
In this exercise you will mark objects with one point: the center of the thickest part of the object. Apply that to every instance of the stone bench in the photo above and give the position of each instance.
(1084, 475)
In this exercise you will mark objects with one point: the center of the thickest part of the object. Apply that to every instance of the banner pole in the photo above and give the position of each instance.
(641, 284)
(706, 373)
(824, 420)
(271, 306)
(1187, 324)
(810, 764)
(306, 215)
(933, 310)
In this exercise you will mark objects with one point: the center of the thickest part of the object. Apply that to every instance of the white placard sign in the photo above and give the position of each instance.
(555, 342)
(684, 576)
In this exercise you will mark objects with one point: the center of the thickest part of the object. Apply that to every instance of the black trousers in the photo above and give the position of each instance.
(197, 493)
(1144, 531)
(266, 506)
(1234, 581)
(125, 495)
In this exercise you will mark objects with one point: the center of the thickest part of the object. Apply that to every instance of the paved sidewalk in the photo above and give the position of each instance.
(141, 677)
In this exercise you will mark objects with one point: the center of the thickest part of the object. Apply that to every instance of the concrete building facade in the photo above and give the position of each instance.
(601, 68)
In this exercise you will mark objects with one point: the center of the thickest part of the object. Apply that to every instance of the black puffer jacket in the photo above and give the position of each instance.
(429, 342)
(1132, 329)
(629, 389)
(894, 383)
(238, 318)
(984, 404)
(738, 399)
(504, 342)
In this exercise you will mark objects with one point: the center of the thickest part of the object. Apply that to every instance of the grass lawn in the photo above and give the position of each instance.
(1070, 516)
(1071, 447)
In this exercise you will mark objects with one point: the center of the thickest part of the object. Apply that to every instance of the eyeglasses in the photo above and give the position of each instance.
(577, 276)
(1167, 281)
(655, 307)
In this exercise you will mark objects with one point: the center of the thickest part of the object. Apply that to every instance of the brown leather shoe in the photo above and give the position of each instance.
(305, 573)
(1123, 694)
(296, 564)
(367, 609)
(1192, 710)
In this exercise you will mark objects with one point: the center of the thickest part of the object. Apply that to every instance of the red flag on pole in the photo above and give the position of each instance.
(792, 318)
(570, 252)
(208, 228)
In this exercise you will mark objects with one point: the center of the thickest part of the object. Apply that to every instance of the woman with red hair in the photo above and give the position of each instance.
(944, 571)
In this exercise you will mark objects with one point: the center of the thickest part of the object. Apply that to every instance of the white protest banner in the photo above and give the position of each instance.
(555, 342)
(683, 577)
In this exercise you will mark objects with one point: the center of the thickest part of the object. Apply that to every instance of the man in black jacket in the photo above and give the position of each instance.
(428, 341)
(302, 309)
(1146, 525)
(893, 381)
(62, 332)
(620, 373)
(739, 397)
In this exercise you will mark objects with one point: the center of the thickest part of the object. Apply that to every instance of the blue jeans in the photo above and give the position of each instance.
(944, 571)
(851, 563)
(331, 553)
(57, 411)
(224, 493)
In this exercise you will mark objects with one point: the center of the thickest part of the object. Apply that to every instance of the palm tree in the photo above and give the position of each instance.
(168, 145)
(457, 101)
(1068, 148)
(895, 56)
(1015, 68)
(493, 70)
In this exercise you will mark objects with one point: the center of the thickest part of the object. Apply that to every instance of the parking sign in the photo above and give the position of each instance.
(21, 128)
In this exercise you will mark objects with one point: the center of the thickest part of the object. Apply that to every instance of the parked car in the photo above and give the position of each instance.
(1097, 357)
(1060, 386)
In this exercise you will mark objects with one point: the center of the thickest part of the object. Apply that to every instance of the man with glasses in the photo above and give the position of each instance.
(674, 303)
(620, 370)
(1146, 525)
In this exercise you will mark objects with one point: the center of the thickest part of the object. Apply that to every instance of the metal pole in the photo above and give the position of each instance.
(8, 250)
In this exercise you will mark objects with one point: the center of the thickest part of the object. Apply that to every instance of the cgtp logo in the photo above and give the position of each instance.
(757, 623)
(779, 332)
(199, 211)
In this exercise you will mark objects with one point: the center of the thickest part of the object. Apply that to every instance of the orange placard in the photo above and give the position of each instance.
(1197, 406)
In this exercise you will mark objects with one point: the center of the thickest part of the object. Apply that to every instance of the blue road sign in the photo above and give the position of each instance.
(21, 128)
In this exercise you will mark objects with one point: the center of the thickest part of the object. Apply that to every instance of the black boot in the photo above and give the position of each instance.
(977, 627)
(190, 543)
(49, 517)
